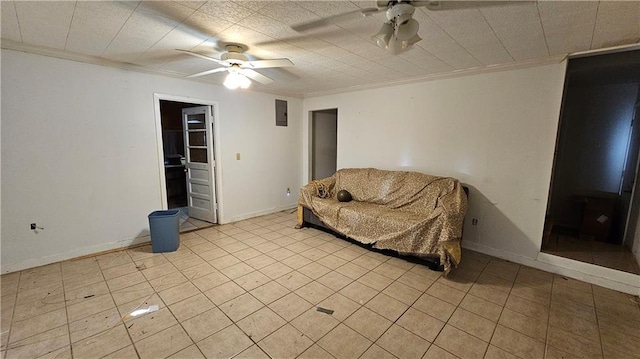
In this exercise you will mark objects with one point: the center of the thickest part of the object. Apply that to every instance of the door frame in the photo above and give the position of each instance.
(627, 236)
(191, 167)
(217, 148)
(311, 134)
(634, 205)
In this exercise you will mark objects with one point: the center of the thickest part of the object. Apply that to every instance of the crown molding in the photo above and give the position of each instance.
(551, 60)
(94, 60)
(604, 51)
(447, 75)
(556, 59)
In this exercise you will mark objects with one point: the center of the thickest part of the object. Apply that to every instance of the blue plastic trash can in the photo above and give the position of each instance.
(165, 230)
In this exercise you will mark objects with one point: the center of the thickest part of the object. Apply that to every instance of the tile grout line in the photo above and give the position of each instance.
(546, 336)
(466, 293)
(155, 292)
(121, 320)
(30, 302)
(111, 326)
(553, 278)
(595, 310)
(316, 342)
(66, 310)
(13, 312)
(225, 314)
(501, 310)
(313, 280)
(286, 322)
(193, 342)
(64, 300)
(174, 266)
(364, 305)
(406, 310)
(200, 292)
(313, 242)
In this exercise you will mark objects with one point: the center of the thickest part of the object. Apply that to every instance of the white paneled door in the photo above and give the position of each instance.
(200, 163)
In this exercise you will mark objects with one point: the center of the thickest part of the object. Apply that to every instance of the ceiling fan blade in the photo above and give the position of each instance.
(208, 72)
(254, 75)
(351, 15)
(203, 57)
(259, 64)
(458, 5)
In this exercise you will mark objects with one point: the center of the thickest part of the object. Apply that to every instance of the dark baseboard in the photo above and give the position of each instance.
(312, 221)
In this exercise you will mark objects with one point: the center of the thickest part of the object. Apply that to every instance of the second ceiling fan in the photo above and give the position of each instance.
(400, 30)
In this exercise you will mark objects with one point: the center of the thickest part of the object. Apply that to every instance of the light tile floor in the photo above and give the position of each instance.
(188, 224)
(614, 256)
(251, 289)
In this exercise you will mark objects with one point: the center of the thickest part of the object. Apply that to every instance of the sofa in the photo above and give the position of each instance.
(409, 213)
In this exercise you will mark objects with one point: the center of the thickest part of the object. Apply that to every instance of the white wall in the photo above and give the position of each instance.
(80, 155)
(495, 132)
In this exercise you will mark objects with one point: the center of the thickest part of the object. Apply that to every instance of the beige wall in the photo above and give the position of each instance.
(80, 155)
(494, 131)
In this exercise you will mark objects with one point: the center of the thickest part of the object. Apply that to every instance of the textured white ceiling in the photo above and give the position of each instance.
(146, 33)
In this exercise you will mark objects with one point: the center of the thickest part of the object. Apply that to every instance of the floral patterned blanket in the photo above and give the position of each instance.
(409, 212)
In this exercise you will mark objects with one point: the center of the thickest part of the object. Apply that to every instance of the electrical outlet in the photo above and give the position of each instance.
(34, 227)
(238, 156)
(474, 221)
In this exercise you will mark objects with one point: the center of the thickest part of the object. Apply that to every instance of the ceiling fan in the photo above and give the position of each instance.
(239, 67)
(400, 30)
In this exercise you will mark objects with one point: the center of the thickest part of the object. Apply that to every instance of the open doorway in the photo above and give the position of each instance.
(324, 143)
(591, 214)
(189, 163)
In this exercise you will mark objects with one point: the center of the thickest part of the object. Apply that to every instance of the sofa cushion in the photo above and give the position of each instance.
(366, 222)
(410, 191)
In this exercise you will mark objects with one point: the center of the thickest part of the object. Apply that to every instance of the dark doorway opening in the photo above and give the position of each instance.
(324, 143)
(592, 215)
(174, 152)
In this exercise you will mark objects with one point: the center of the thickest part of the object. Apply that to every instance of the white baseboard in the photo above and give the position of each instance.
(259, 213)
(590, 273)
(80, 252)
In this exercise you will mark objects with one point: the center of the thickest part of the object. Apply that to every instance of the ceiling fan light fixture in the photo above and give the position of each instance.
(244, 82)
(384, 35)
(409, 43)
(400, 31)
(408, 30)
(240, 70)
(402, 19)
(397, 46)
(236, 80)
(400, 12)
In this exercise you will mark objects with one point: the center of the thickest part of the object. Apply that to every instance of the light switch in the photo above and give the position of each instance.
(238, 156)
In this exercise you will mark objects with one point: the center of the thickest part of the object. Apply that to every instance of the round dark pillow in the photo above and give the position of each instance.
(344, 196)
